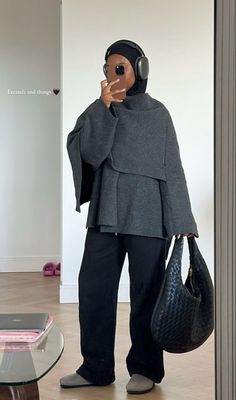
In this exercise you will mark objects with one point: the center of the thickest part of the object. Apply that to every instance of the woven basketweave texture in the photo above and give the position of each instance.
(183, 317)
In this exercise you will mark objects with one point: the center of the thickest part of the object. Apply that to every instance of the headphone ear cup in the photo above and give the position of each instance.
(105, 69)
(142, 68)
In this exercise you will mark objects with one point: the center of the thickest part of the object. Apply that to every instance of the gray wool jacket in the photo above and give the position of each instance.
(126, 162)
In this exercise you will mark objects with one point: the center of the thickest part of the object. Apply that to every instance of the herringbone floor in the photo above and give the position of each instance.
(188, 376)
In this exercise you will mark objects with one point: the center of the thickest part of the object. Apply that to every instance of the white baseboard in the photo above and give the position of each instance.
(123, 294)
(25, 264)
(69, 293)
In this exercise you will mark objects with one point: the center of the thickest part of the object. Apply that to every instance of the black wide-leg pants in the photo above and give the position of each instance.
(103, 259)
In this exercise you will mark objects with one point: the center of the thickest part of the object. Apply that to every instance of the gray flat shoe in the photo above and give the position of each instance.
(74, 381)
(139, 384)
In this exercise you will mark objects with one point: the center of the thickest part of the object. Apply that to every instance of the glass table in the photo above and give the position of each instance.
(22, 365)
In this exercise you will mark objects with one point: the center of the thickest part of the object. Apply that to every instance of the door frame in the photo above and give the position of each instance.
(225, 199)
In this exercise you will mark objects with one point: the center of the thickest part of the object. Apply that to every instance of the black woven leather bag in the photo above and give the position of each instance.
(183, 316)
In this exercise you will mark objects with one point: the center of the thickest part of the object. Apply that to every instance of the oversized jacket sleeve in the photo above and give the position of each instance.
(90, 142)
(177, 212)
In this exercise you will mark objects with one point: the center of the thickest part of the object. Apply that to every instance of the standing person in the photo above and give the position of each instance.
(125, 160)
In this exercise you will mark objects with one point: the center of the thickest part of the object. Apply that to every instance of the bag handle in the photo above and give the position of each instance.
(191, 247)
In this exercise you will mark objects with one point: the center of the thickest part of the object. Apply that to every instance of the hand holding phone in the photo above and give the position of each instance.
(110, 92)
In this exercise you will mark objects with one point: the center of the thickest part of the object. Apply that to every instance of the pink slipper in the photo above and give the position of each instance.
(57, 270)
(48, 269)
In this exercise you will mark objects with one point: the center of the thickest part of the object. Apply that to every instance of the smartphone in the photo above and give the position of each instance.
(117, 72)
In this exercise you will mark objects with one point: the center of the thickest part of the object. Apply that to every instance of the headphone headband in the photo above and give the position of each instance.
(129, 43)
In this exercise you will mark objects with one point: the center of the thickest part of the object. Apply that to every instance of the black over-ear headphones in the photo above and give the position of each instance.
(141, 63)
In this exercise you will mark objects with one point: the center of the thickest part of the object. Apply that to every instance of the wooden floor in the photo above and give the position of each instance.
(188, 376)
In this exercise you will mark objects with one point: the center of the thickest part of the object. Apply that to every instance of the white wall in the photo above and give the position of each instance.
(30, 134)
(177, 37)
